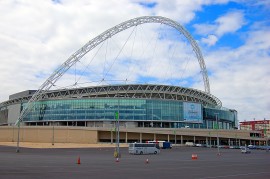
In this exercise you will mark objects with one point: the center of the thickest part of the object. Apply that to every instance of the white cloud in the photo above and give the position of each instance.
(203, 29)
(210, 40)
(228, 23)
(240, 77)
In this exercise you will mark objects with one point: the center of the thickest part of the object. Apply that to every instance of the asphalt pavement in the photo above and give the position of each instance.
(100, 163)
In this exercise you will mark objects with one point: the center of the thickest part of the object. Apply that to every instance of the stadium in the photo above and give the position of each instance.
(156, 106)
(136, 105)
(140, 111)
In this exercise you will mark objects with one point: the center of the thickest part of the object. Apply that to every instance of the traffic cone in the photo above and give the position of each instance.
(117, 160)
(79, 161)
(194, 157)
(146, 161)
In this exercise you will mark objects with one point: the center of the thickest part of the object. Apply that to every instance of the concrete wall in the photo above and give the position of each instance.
(48, 134)
(92, 135)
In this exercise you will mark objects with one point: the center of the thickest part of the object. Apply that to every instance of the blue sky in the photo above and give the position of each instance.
(36, 37)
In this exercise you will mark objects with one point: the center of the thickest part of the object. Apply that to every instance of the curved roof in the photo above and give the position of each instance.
(139, 91)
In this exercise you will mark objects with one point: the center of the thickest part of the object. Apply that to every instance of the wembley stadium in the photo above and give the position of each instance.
(136, 105)
(145, 105)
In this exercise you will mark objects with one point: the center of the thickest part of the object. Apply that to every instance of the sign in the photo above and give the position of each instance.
(193, 112)
(116, 115)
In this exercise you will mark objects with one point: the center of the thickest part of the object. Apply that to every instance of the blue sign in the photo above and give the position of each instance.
(193, 112)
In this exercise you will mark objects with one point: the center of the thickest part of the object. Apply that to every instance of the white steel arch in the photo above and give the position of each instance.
(58, 73)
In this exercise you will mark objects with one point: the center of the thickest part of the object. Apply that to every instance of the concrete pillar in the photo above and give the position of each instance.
(111, 136)
(181, 140)
(168, 138)
(206, 139)
(126, 137)
(154, 136)
(194, 139)
(239, 142)
(229, 141)
(140, 137)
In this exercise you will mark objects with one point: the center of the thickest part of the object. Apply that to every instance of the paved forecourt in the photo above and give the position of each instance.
(100, 163)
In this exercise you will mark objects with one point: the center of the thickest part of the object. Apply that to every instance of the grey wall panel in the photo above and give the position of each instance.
(13, 112)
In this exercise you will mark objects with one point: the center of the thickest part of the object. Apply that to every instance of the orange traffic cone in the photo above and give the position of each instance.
(117, 160)
(146, 161)
(79, 161)
(194, 157)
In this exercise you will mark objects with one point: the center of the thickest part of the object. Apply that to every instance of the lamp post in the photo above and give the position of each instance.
(174, 137)
(210, 143)
(265, 132)
(217, 126)
(13, 132)
(235, 139)
(18, 140)
(117, 151)
(53, 134)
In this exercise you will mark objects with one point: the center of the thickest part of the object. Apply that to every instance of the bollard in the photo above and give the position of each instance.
(194, 157)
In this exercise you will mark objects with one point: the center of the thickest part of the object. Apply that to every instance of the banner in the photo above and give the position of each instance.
(193, 112)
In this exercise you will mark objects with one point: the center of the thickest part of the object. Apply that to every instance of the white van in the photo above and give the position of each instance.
(190, 144)
(143, 148)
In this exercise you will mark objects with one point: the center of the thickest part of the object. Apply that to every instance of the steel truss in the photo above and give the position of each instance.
(74, 58)
(133, 91)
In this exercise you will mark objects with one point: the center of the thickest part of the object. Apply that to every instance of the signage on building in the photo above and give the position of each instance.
(193, 112)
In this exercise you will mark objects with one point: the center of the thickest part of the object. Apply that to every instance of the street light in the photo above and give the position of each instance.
(53, 133)
(18, 140)
(217, 126)
(117, 151)
(265, 136)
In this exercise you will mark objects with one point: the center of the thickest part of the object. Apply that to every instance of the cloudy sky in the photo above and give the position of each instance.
(37, 36)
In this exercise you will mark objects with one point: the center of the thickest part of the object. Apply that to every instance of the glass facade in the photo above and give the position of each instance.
(104, 109)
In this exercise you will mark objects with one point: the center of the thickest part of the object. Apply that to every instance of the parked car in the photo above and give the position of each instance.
(265, 147)
(245, 150)
(234, 147)
(252, 147)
